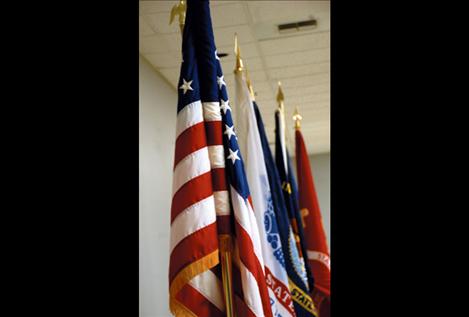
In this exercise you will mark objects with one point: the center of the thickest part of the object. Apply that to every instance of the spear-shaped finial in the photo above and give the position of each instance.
(248, 82)
(280, 96)
(239, 62)
(179, 9)
(297, 118)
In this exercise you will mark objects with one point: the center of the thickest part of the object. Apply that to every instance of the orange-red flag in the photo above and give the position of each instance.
(315, 238)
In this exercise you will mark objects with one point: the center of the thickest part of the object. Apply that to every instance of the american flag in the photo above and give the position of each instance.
(210, 191)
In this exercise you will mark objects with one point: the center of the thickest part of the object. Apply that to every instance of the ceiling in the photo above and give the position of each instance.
(299, 59)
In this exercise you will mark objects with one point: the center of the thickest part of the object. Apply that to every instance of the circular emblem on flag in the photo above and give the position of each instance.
(271, 231)
(298, 263)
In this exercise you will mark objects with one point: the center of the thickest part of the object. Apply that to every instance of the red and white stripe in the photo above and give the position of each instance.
(251, 298)
(213, 128)
(194, 233)
(249, 258)
(250, 145)
(201, 210)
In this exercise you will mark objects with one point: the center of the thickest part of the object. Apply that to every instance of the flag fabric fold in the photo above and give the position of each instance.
(288, 182)
(194, 286)
(315, 238)
(302, 301)
(211, 196)
(250, 145)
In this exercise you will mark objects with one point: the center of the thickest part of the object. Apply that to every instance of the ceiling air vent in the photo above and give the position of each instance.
(297, 26)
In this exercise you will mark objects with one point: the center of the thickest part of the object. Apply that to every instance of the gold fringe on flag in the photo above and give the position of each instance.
(186, 274)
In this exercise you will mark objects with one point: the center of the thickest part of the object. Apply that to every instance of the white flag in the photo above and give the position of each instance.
(251, 148)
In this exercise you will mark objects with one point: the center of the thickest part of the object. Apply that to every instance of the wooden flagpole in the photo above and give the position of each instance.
(226, 247)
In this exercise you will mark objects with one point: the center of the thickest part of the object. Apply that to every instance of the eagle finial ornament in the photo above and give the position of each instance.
(179, 9)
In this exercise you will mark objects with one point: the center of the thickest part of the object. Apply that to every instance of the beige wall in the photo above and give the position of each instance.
(157, 125)
(321, 168)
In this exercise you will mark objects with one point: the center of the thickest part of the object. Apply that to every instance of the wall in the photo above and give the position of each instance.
(320, 166)
(157, 125)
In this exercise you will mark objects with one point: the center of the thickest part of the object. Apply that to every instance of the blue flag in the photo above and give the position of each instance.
(290, 194)
(302, 301)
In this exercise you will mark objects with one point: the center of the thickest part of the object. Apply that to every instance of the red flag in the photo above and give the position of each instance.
(315, 238)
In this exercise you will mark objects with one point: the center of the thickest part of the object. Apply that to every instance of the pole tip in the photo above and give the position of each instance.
(297, 118)
(239, 62)
(179, 10)
(248, 82)
(280, 97)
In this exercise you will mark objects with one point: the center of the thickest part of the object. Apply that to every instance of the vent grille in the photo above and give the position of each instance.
(297, 26)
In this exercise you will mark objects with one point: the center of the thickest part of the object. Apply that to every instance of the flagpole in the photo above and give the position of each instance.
(239, 62)
(286, 185)
(240, 67)
(225, 240)
(248, 82)
(180, 10)
(297, 118)
(281, 111)
(226, 247)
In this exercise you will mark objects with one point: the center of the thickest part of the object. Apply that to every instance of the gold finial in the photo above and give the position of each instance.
(280, 96)
(179, 9)
(239, 62)
(248, 82)
(297, 118)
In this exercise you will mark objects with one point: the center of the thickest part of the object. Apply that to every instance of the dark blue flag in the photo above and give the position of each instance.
(290, 194)
(298, 282)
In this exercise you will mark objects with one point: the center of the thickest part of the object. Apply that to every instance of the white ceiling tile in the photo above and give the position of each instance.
(265, 103)
(276, 12)
(307, 92)
(313, 99)
(310, 96)
(321, 89)
(248, 50)
(302, 81)
(148, 7)
(290, 44)
(159, 22)
(229, 14)
(256, 76)
(255, 64)
(300, 70)
(298, 58)
(268, 11)
(225, 36)
(262, 88)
